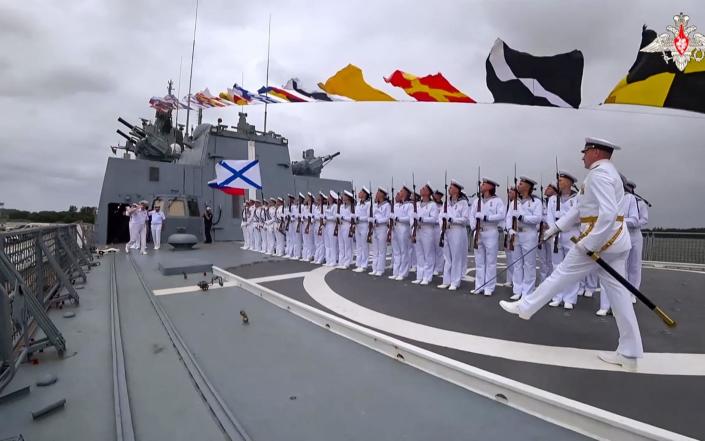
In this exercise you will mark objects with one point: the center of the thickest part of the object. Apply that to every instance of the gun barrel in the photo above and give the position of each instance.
(124, 135)
(135, 129)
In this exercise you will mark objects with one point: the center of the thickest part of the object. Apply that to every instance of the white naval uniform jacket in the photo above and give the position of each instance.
(600, 198)
(362, 212)
(381, 214)
(492, 212)
(531, 212)
(566, 204)
(427, 215)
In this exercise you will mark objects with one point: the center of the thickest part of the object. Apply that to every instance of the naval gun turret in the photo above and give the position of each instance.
(311, 165)
(154, 141)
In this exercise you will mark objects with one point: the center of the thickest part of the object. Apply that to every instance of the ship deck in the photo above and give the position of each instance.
(285, 377)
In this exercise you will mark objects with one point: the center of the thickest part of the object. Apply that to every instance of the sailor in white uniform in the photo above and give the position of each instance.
(256, 226)
(544, 252)
(455, 250)
(426, 241)
(528, 215)
(509, 249)
(345, 240)
(290, 226)
(271, 226)
(331, 216)
(306, 232)
(279, 220)
(559, 250)
(318, 226)
(635, 255)
(381, 213)
(401, 235)
(603, 232)
(362, 227)
(485, 223)
(438, 268)
(244, 217)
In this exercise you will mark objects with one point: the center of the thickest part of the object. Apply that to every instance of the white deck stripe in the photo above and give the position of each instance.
(194, 288)
(278, 277)
(652, 363)
(190, 288)
(582, 418)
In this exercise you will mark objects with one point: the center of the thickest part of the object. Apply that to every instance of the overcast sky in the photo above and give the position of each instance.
(69, 69)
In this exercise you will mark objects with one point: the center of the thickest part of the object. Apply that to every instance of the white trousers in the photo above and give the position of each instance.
(245, 236)
(271, 239)
(138, 235)
(308, 242)
(280, 239)
(345, 245)
(570, 293)
(157, 235)
(400, 250)
(380, 248)
(320, 246)
(574, 268)
(524, 274)
(545, 258)
(455, 255)
(511, 256)
(634, 259)
(439, 250)
(331, 244)
(425, 250)
(362, 248)
(486, 259)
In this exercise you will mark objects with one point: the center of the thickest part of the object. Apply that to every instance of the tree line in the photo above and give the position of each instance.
(73, 214)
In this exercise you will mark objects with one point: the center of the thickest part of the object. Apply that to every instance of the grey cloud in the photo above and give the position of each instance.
(54, 83)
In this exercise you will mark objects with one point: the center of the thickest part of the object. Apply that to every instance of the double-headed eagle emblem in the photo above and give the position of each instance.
(683, 43)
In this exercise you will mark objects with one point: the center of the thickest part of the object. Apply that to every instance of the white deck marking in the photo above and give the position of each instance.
(279, 277)
(194, 288)
(652, 363)
(189, 288)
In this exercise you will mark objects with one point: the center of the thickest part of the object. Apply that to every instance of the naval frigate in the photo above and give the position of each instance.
(161, 166)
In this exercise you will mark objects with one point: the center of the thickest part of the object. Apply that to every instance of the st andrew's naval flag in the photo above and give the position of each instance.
(234, 176)
(521, 78)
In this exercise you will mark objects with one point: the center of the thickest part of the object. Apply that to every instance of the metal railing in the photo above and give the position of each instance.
(36, 262)
(659, 246)
(674, 247)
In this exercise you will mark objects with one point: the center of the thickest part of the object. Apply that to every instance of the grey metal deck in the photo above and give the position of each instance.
(283, 377)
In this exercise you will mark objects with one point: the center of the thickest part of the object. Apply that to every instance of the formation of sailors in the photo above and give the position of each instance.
(430, 233)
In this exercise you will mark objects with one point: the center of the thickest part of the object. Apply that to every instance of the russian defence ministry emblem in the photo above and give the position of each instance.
(683, 43)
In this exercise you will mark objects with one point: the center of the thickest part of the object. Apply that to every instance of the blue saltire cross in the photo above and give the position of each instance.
(239, 174)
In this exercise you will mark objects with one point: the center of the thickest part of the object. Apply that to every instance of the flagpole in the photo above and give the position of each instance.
(266, 90)
(178, 92)
(190, 78)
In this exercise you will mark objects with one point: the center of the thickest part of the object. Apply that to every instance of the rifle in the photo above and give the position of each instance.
(416, 221)
(320, 226)
(506, 236)
(444, 225)
(310, 216)
(288, 217)
(281, 220)
(370, 221)
(351, 232)
(337, 219)
(478, 226)
(391, 218)
(542, 223)
(298, 224)
(558, 205)
(515, 221)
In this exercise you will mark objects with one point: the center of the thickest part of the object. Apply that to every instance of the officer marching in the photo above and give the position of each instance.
(604, 233)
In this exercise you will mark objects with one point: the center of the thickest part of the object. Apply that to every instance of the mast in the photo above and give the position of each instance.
(266, 94)
(190, 78)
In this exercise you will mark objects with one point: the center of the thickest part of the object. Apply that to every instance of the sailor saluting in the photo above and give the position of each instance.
(602, 232)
